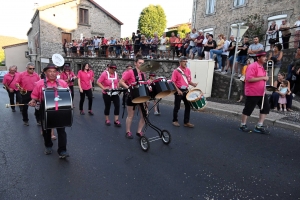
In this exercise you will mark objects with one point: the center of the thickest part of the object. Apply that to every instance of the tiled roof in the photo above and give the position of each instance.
(177, 25)
(41, 8)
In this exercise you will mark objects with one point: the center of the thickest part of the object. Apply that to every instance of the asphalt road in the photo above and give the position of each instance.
(211, 161)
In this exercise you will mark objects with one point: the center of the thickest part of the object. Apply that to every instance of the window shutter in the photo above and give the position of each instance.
(235, 3)
(80, 16)
(86, 16)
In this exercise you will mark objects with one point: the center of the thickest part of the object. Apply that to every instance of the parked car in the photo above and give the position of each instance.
(2, 73)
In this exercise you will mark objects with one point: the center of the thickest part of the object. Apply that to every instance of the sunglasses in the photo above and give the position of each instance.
(113, 68)
(31, 68)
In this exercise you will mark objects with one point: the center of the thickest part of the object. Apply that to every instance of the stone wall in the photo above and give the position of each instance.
(64, 19)
(226, 14)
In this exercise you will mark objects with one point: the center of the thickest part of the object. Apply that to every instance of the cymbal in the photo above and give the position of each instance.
(271, 88)
(149, 66)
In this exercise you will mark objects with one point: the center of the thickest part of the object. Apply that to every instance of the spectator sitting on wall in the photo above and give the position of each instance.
(225, 55)
(218, 51)
(211, 44)
(276, 56)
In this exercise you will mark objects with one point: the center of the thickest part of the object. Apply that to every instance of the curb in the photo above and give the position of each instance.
(274, 122)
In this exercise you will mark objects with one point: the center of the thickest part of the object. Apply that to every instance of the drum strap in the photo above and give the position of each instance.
(112, 83)
(56, 97)
(137, 78)
(184, 76)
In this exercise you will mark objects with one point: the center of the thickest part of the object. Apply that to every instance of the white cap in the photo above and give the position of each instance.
(200, 30)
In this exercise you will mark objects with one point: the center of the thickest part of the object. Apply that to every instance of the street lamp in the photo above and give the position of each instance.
(238, 30)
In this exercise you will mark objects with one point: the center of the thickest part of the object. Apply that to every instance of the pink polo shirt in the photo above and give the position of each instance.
(64, 76)
(85, 79)
(106, 82)
(92, 74)
(129, 78)
(255, 88)
(37, 91)
(11, 81)
(178, 79)
(27, 81)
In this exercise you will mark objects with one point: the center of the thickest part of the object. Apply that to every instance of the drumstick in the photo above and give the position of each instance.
(8, 105)
(263, 99)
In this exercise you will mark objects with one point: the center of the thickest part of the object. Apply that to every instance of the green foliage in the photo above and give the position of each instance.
(183, 29)
(6, 40)
(256, 25)
(152, 19)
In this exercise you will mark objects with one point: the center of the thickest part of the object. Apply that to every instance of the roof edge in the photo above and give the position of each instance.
(14, 45)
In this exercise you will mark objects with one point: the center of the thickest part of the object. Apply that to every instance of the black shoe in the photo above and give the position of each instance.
(261, 129)
(82, 112)
(13, 110)
(140, 134)
(244, 128)
(48, 150)
(129, 135)
(38, 123)
(26, 123)
(63, 154)
(91, 112)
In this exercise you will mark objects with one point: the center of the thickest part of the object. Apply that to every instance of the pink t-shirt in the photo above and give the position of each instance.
(107, 82)
(64, 76)
(255, 88)
(37, 91)
(85, 79)
(92, 74)
(178, 79)
(129, 78)
(11, 81)
(27, 81)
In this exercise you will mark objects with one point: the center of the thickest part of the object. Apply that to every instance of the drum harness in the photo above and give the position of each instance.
(184, 76)
(55, 92)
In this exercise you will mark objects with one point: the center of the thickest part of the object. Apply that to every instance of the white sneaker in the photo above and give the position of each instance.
(239, 75)
(218, 70)
(156, 113)
(224, 72)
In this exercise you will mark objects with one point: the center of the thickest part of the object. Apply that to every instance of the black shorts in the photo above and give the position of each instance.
(129, 101)
(253, 101)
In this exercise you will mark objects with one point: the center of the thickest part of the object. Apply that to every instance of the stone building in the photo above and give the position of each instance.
(216, 16)
(67, 19)
(16, 54)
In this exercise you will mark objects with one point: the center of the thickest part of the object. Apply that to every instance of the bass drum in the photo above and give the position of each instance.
(171, 86)
(57, 112)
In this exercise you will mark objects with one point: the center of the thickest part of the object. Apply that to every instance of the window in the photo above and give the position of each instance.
(83, 16)
(239, 2)
(210, 6)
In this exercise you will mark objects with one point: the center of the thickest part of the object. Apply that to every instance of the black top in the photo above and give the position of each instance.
(244, 52)
(209, 43)
(231, 52)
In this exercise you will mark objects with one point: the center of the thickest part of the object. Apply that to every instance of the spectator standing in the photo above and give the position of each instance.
(231, 50)
(112, 47)
(286, 33)
(242, 55)
(272, 33)
(186, 42)
(143, 44)
(97, 43)
(172, 40)
(192, 46)
(297, 57)
(178, 45)
(199, 45)
(137, 41)
(162, 47)
(276, 56)
(255, 47)
(65, 47)
(297, 33)
(154, 43)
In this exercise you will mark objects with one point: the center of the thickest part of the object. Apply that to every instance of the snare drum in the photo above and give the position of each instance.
(60, 114)
(171, 86)
(139, 92)
(160, 88)
(196, 99)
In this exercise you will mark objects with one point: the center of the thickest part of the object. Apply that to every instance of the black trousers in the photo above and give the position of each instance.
(25, 100)
(12, 95)
(285, 41)
(107, 101)
(72, 91)
(61, 137)
(187, 109)
(89, 94)
(224, 59)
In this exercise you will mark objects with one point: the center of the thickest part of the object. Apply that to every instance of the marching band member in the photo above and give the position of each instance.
(109, 80)
(85, 88)
(128, 78)
(68, 76)
(9, 81)
(255, 85)
(37, 96)
(26, 82)
(182, 79)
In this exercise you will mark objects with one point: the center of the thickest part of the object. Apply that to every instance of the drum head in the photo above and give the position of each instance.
(141, 99)
(193, 95)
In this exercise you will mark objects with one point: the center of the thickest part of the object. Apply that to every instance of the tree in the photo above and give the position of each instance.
(256, 26)
(183, 29)
(2, 56)
(152, 19)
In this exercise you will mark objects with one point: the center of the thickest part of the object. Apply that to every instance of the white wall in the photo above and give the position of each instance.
(15, 55)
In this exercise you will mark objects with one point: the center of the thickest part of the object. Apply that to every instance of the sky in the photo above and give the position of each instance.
(15, 18)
